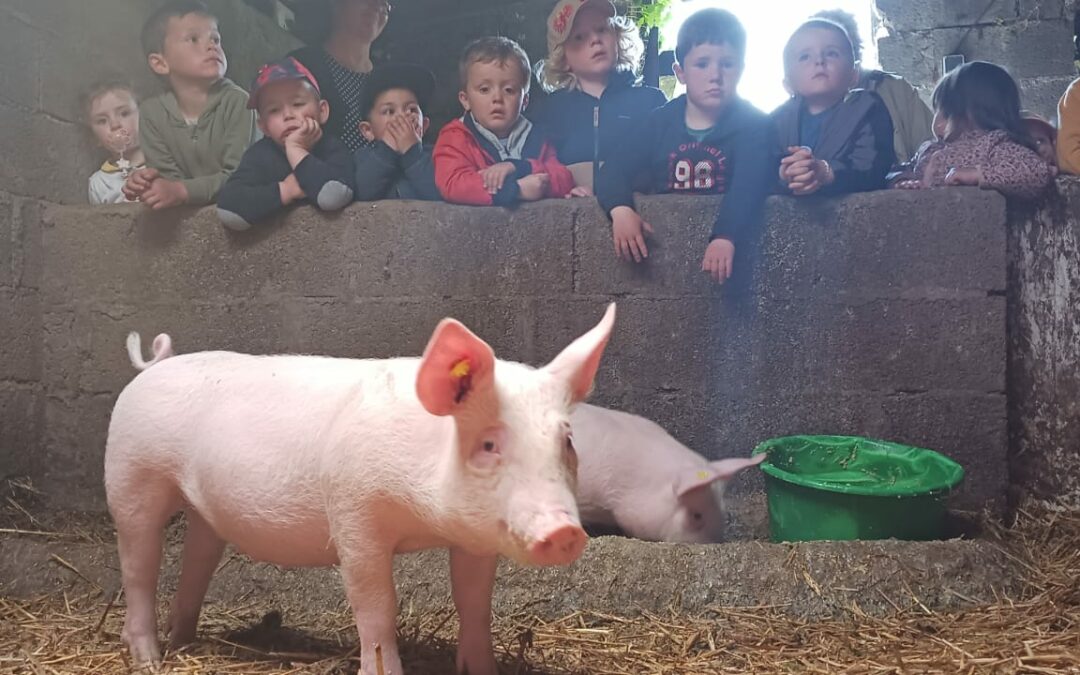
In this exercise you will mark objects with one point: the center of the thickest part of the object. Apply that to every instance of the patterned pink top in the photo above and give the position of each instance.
(1008, 167)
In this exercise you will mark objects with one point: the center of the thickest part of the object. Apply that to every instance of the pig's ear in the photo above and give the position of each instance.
(723, 470)
(455, 363)
(578, 363)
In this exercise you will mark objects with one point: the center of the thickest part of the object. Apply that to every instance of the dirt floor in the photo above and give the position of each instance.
(73, 626)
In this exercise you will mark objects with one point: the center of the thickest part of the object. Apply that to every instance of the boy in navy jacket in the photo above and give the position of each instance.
(708, 141)
(396, 165)
(295, 161)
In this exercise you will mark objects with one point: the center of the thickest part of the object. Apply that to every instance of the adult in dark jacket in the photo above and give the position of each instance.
(342, 61)
(595, 102)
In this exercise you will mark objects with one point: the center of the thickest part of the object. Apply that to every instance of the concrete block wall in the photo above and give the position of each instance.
(1044, 343)
(1033, 39)
(875, 314)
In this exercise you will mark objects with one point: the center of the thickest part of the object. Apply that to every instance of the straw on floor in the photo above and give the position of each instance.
(77, 631)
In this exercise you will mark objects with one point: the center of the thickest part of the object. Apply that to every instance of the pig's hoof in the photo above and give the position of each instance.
(484, 665)
(144, 653)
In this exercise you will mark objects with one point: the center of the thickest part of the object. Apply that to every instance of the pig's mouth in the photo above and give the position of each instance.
(559, 541)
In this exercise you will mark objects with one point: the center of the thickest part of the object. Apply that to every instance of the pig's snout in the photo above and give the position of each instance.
(561, 545)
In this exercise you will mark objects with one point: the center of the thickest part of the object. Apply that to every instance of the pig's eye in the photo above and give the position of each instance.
(489, 446)
(697, 516)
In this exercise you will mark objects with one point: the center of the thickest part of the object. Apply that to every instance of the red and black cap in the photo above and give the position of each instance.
(287, 68)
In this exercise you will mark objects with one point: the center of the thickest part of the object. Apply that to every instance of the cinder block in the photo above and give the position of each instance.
(85, 348)
(21, 421)
(7, 236)
(657, 344)
(886, 244)
(29, 260)
(20, 63)
(431, 249)
(71, 468)
(20, 335)
(1025, 48)
(1041, 94)
(908, 15)
(386, 328)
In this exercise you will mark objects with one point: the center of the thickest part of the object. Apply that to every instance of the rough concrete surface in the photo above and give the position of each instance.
(615, 576)
(880, 314)
(1044, 334)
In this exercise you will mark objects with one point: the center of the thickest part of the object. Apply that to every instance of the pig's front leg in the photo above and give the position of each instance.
(472, 579)
(369, 583)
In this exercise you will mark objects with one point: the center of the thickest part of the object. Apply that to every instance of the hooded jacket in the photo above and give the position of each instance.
(584, 128)
(200, 155)
(734, 159)
(856, 140)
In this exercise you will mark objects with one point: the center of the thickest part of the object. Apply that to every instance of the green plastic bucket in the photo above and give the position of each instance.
(846, 487)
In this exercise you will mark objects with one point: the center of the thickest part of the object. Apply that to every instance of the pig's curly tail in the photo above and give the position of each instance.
(162, 350)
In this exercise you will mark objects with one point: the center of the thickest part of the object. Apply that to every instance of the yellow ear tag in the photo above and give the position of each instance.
(703, 474)
(460, 369)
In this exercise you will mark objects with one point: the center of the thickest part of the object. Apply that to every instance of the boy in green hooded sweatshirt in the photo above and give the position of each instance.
(193, 135)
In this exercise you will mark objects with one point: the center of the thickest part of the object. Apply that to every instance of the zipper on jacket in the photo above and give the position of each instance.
(596, 143)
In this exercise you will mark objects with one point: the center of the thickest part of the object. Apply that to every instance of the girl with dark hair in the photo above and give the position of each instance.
(339, 56)
(983, 140)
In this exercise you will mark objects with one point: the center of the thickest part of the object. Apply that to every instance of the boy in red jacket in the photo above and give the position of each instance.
(492, 155)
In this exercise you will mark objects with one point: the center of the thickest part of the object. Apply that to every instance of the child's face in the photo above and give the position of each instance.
(114, 119)
(940, 125)
(711, 74)
(495, 95)
(1044, 143)
(282, 105)
(192, 50)
(820, 65)
(388, 105)
(592, 48)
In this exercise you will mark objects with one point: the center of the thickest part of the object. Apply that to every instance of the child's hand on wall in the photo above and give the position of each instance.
(627, 231)
(165, 194)
(139, 182)
(718, 260)
(495, 175)
(290, 190)
(803, 173)
(402, 133)
(533, 187)
(967, 175)
(796, 162)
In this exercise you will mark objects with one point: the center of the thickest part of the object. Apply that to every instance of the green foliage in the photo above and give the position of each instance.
(649, 15)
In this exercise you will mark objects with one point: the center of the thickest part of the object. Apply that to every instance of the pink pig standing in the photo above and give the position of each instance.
(314, 461)
(633, 474)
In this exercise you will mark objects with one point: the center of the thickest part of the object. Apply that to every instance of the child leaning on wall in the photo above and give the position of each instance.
(111, 112)
(832, 140)
(493, 155)
(194, 134)
(596, 102)
(294, 161)
(708, 141)
(395, 165)
(983, 139)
